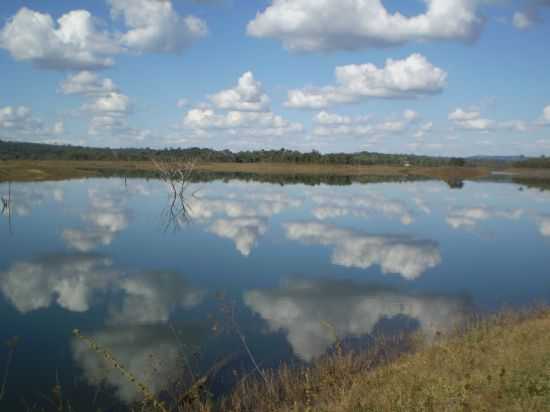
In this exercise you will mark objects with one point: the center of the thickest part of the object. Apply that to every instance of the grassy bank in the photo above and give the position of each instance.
(502, 364)
(25, 170)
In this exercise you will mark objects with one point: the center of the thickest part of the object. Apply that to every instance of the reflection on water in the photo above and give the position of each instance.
(544, 225)
(94, 255)
(405, 255)
(314, 313)
(69, 280)
(107, 216)
(470, 217)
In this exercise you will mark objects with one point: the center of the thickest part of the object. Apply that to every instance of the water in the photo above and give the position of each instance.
(288, 267)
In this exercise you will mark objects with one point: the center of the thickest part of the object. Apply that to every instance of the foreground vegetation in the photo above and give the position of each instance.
(502, 364)
(496, 364)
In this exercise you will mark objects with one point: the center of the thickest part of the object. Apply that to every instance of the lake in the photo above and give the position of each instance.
(288, 269)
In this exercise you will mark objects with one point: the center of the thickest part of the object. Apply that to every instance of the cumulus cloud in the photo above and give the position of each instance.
(304, 25)
(18, 123)
(544, 118)
(303, 308)
(247, 95)
(404, 255)
(332, 124)
(234, 122)
(243, 231)
(156, 27)
(73, 42)
(473, 120)
(87, 83)
(240, 111)
(70, 281)
(411, 77)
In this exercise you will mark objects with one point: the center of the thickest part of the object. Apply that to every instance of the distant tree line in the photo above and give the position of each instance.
(39, 151)
(542, 162)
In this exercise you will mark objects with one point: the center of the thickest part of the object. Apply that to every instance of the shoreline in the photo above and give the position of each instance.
(27, 170)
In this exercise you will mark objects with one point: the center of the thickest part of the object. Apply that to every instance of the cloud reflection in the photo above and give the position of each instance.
(70, 281)
(405, 255)
(107, 217)
(150, 353)
(303, 308)
(469, 217)
(241, 216)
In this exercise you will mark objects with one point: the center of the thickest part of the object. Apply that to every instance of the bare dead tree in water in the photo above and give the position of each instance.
(7, 207)
(177, 177)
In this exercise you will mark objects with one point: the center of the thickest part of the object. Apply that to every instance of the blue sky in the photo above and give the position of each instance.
(449, 77)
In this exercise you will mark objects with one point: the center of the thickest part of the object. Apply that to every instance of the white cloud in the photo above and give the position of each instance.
(305, 25)
(242, 111)
(410, 115)
(156, 27)
(74, 42)
(304, 308)
(87, 83)
(423, 130)
(470, 120)
(109, 114)
(404, 255)
(58, 128)
(112, 103)
(18, 123)
(545, 117)
(238, 122)
(473, 120)
(332, 124)
(411, 77)
(247, 95)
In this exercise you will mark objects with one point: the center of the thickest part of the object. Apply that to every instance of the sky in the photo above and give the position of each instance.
(437, 77)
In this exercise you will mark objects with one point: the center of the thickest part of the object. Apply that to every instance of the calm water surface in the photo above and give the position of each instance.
(104, 256)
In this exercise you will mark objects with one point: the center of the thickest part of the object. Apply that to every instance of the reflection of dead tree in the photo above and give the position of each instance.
(7, 206)
(177, 176)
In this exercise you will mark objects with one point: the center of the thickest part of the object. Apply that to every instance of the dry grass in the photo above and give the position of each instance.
(502, 364)
(24, 170)
(496, 364)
